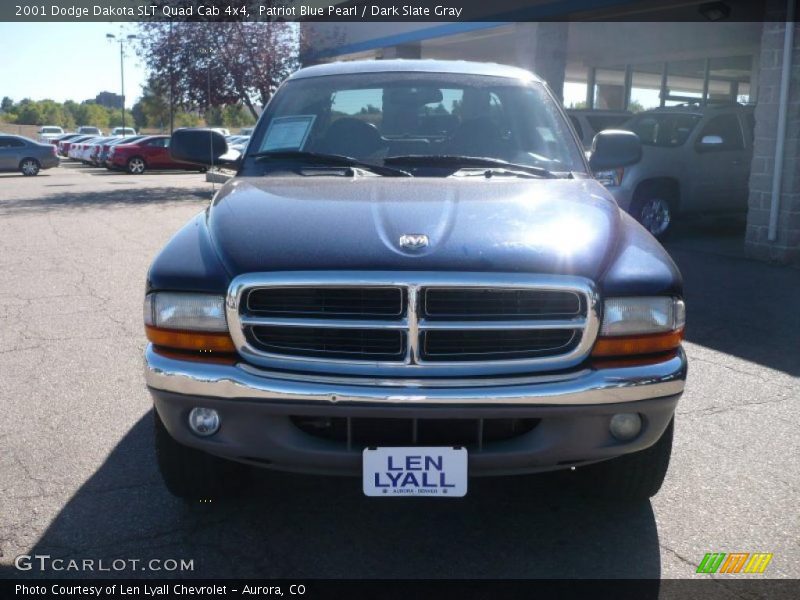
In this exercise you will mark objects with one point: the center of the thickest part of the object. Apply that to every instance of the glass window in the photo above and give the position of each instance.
(602, 122)
(685, 81)
(10, 142)
(645, 87)
(609, 91)
(663, 129)
(374, 116)
(727, 127)
(729, 78)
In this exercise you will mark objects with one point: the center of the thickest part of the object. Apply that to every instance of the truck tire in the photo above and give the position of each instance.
(631, 477)
(655, 213)
(193, 475)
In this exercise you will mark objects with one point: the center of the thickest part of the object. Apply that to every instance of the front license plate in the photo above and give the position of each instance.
(414, 471)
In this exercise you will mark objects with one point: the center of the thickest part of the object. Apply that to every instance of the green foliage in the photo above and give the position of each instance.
(635, 106)
(185, 119)
(236, 115)
(68, 115)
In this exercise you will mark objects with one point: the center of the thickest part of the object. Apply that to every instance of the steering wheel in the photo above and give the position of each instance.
(350, 137)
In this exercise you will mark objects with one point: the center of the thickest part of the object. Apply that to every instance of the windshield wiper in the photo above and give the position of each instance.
(336, 160)
(458, 161)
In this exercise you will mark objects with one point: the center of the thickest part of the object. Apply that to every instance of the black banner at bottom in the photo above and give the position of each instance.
(317, 589)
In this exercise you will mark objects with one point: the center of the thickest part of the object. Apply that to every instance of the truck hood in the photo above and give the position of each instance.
(472, 224)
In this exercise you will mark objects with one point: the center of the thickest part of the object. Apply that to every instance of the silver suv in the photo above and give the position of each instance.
(695, 159)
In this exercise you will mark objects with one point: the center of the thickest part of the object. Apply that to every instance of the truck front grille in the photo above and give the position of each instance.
(431, 323)
(494, 344)
(364, 344)
(363, 303)
(455, 303)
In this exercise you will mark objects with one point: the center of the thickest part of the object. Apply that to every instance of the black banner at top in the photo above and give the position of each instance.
(381, 10)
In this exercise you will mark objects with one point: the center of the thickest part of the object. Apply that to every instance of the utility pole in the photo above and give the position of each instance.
(122, 40)
(171, 85)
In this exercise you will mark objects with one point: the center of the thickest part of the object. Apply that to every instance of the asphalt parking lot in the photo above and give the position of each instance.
(77, 471)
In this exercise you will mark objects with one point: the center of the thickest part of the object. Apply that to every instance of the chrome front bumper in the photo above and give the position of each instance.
(588, 386)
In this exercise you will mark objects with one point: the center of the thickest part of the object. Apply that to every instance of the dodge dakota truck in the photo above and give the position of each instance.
(413, 279)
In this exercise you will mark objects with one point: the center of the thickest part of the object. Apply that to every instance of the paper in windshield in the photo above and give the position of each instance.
(288, 133)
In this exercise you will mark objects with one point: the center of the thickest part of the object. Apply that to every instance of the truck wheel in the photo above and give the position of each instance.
(29, 167)
(136, 166)
(191, 474)
(631, 477)
(655, 214)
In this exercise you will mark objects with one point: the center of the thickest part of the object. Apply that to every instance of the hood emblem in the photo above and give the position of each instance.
(413, 241)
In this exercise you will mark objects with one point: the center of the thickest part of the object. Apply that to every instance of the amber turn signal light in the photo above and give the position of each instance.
(198, 341)
(628, 345)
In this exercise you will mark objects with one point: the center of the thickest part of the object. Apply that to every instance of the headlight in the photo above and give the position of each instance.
(187, 322)
(196, 312)
(637, 316)
(643, 325)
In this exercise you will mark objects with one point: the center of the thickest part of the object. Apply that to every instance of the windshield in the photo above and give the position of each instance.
(52, 130)
(375, 117)
(663, 129)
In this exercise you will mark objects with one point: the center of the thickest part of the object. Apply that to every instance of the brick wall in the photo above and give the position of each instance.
(786, 248)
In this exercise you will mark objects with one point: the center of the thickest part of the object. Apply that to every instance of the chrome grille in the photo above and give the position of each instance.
(412, 323)
(329, 342)
(492, 344)
(483, 303)
(365, 303)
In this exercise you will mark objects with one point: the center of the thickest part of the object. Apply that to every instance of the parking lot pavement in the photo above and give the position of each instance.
(77, 472)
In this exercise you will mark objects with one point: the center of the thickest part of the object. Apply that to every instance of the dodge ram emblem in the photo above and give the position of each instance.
(413, 241)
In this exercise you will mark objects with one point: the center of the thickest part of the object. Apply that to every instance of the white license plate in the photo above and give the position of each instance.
(413, 471)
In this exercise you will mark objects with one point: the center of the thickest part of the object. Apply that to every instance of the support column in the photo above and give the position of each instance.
(542, 48)
(786, 247)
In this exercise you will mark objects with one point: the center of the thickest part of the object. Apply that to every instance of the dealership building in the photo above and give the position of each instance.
(636, 55)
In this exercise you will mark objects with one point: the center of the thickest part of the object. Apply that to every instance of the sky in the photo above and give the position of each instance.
(66, 61)
(75, 61)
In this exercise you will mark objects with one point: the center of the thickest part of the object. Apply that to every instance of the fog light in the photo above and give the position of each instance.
(204, 421)
(625, 426)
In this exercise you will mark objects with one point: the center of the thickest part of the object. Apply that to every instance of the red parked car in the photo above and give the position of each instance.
(147, 153)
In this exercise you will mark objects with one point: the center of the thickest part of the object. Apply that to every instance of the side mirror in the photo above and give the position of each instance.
(711, 140)
(198, 146)
(614, 148)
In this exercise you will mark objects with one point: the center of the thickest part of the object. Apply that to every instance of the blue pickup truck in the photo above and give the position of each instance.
(413, 279)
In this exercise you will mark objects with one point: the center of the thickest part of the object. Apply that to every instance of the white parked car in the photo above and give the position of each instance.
(48, 133)
(89, 130)
(123, 131)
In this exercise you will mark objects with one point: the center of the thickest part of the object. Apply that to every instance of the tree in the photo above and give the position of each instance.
(152, 110)
(28, 112)
(7, 105)
(635, 106)
(236, 115)
(219, 63)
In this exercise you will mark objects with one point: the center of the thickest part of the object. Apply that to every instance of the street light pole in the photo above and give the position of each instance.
(122, 82)
(121, 40)
(171, 86)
